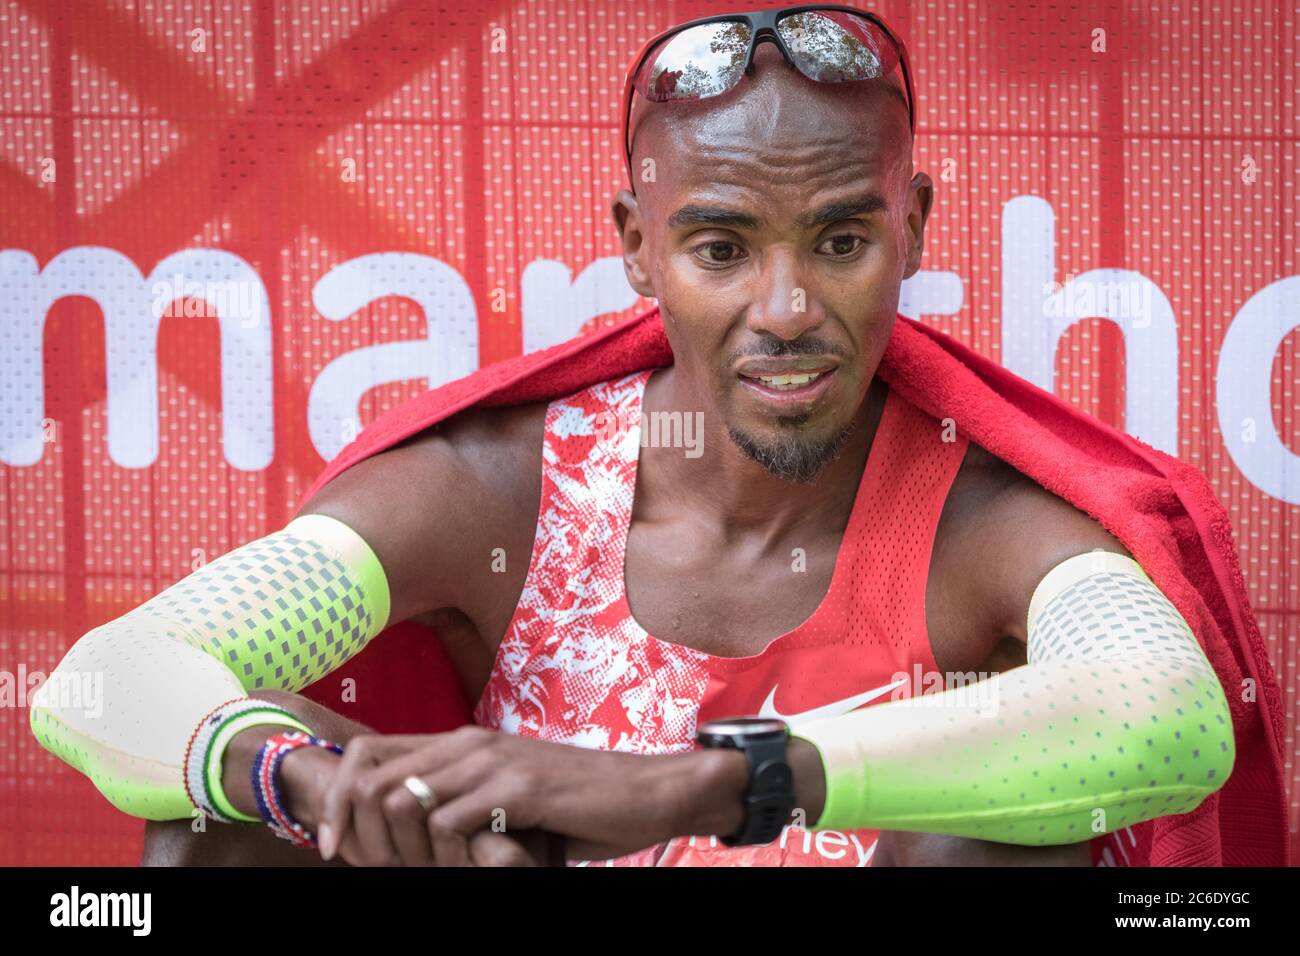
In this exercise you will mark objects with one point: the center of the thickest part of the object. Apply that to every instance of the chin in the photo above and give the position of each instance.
(790, 452)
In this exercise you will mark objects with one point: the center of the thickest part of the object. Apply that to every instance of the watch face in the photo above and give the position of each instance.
(733, 727)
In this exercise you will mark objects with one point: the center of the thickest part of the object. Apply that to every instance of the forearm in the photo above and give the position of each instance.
(176, 843)
(1117, 719)
(1030, 770)
(276, 613)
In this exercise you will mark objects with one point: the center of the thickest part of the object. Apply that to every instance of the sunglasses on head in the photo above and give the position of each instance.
(707, 57)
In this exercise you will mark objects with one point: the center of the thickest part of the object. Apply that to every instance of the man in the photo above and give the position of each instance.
(817, 542)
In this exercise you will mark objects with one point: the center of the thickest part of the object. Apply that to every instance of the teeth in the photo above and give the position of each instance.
(782, 382)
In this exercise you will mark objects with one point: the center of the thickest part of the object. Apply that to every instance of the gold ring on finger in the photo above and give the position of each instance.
(420, 790)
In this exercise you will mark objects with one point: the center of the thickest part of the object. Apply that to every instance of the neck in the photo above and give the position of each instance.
(733, 491)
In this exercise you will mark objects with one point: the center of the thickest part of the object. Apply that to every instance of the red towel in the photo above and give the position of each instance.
(1162, 509)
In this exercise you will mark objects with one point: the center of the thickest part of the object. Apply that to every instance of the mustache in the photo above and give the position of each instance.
(774, 348)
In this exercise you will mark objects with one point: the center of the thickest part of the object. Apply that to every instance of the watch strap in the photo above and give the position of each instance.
(770, 797)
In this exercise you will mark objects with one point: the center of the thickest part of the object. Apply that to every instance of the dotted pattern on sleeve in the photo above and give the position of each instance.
(277, 613)
(1117, 718)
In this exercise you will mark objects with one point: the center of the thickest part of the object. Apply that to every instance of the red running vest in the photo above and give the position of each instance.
(575, 666)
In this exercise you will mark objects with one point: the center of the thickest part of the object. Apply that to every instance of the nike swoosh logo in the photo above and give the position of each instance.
(833, 709)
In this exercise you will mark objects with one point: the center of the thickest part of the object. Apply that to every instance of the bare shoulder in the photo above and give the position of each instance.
(435, 507)
(1011, 531)
(498, 448)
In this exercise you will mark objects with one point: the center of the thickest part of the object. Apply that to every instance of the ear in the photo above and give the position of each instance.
(631, 230)
(920, 197)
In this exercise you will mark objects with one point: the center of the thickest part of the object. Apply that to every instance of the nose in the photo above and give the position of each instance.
(783, 306)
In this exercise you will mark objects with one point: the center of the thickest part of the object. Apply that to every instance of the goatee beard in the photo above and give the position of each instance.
(796, 458)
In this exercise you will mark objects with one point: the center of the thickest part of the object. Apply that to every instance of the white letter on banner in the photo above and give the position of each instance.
(448, 351)
(115, 284)
(556, 307)
(1243, 388)
(1035, 317)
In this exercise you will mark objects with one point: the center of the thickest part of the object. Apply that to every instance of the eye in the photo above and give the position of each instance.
(719, 252)
(842, 246)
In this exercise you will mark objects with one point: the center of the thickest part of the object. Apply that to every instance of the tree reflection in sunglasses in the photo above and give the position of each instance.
(706, 60)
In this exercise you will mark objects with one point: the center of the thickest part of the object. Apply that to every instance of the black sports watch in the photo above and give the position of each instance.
(769, 800)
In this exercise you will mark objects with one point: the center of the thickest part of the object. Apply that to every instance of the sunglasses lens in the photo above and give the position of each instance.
(702, 61)
(833, 47)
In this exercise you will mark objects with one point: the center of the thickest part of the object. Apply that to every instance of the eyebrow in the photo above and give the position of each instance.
(696, 215)
(864, 205)
(711, 216)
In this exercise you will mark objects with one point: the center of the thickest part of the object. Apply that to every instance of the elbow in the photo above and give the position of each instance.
(1166, 762)
(1187, 760)
(51, 732)
(1203, 743)
(134, 784)
(1212, 728)
(149, 793)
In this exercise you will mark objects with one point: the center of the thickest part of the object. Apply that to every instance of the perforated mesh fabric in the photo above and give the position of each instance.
(279, 612)
(915, 457)
(1117, 718)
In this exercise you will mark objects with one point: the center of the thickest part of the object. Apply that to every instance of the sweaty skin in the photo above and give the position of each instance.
(746, 266)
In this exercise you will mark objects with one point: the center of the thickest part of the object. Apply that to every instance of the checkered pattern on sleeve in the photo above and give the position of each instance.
(280, 612)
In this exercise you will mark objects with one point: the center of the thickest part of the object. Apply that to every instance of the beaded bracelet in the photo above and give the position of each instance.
(266, 784)
(206, 748)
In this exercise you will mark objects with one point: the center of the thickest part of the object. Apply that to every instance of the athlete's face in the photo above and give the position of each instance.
(775, 225)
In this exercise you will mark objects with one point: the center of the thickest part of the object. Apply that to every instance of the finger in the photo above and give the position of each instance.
(545, 848)
(391, 773)
(375, 766)
(471, 812)
(456, 822)
(369, 820)
(450, 847)
(487, 848)
(349, 849)
(406, 824)
(481, 791)
(390, 819)
(400, 756)
(360, 755)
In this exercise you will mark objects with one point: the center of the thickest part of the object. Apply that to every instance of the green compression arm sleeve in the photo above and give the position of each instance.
(275, 614)
(1117, 718)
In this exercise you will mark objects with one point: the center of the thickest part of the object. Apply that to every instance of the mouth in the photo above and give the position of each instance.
(786, 387)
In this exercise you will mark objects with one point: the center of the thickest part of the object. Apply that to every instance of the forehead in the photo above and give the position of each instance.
(782, 138)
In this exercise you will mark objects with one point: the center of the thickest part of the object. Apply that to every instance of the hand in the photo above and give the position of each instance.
(305, 775)
(487, 848)
(607, 804)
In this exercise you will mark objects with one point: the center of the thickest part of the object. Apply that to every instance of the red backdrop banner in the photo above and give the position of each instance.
(234, 233)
